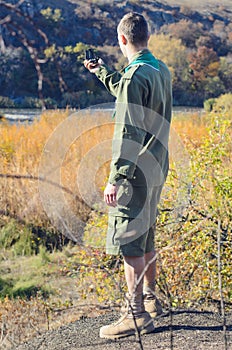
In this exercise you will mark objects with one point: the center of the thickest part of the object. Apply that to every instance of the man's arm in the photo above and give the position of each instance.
(107, 76)
(111, 79)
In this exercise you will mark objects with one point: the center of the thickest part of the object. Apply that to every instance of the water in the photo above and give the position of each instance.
(20, 115)
(187, 110)
(29, 115)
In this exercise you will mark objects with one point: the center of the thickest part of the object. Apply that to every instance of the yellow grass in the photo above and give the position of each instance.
(69, 139)
(24, 148)
(78, 145)
(192, 127)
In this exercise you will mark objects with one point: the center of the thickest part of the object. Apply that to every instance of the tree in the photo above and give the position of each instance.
(204, 63)
(225, 72)
(185, 30)
(204, 67)
(17, 22)
(172, 52)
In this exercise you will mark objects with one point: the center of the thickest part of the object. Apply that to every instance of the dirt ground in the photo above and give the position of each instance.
(184, 330)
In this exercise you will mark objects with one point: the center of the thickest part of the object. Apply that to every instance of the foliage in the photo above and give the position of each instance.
(186, 30)
(45, 56)
(204, 67)
(21, 239)
(53, 15)
(197, 74)
(225, 72)
(172, 52)
(195, 212)
(189, 223)
(221, 104)
(190, 273)
(208, 104)
(6, 102)
(204, 63)
(30, 102)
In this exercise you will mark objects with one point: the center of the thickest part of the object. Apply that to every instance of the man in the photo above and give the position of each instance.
(139, 168)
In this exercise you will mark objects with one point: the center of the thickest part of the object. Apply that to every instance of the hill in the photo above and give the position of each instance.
(95, 22)
(42, 46)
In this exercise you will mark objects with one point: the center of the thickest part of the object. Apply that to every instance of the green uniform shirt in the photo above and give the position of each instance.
(142, 118)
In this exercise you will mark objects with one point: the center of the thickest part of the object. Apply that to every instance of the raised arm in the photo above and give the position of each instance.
(111, 79)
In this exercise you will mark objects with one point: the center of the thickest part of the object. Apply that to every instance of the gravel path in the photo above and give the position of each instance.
(190, 330)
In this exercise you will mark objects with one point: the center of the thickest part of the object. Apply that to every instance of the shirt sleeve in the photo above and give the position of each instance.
(111, 79)
(129, 131)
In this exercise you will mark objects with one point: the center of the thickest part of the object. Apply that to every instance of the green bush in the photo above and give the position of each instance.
(31, 102)
(22, 289)
(50, 103)
(28, 289)
(188, 270)
(5, 287)
(6, 102)
(27, 239)
(223, 103)
(20, 239)
(208, 104)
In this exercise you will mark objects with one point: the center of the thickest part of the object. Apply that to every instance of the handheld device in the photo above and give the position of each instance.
(90, 56)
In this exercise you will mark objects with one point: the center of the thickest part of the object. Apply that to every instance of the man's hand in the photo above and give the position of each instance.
(93, 67)
(110, 194)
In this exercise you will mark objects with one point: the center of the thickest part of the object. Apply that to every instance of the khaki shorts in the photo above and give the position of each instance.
(131, 225)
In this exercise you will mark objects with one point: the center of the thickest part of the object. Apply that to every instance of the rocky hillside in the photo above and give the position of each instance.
(95, 22)
(42, 45)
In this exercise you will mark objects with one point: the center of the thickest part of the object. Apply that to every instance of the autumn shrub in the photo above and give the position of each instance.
(223, 103)
(188, 264)
(193, 227)
(208, 104)
(195, 206)
(22, 319)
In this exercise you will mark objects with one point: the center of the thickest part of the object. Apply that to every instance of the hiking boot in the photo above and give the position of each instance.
(125, 326)
(153, 306)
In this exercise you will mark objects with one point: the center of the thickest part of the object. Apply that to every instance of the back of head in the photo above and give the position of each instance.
(134, 27)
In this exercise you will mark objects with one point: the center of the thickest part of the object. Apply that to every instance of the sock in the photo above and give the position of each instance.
(149, 290)
(135, 304)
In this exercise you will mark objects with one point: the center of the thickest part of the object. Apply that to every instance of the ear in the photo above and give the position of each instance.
(123, 39)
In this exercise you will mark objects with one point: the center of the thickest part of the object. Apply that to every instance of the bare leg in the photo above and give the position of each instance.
(152, 303)
(133, 267)
(150, 274)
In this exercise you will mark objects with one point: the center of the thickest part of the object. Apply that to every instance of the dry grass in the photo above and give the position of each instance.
(72, 151)
(23, 318)
(190, 127)
(22, 156)
(21, 150)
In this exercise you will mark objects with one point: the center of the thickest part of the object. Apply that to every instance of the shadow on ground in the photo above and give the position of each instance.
(181, 330)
